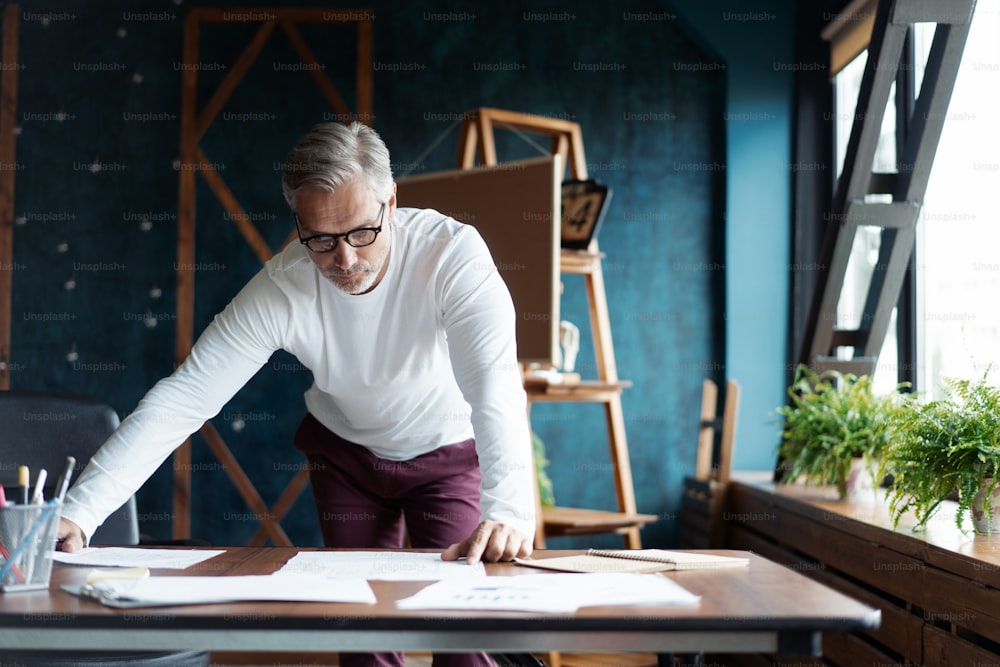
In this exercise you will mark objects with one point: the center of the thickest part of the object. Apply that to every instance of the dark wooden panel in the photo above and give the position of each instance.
(900, 630)
(895, 573)
(941, 544)
(937, 589)
(828, 537)
(701, 509)
(851, 651)
(942, 649)
(753, 510)
(948, 599)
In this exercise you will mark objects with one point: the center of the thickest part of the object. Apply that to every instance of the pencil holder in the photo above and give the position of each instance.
(27, 539)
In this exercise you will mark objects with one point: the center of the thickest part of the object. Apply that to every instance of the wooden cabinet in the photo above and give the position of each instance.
(939, 589)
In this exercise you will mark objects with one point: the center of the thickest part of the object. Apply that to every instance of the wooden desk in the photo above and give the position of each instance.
(762, 608)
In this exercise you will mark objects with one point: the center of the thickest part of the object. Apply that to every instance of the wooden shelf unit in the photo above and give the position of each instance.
(477, 141)
(606, 390)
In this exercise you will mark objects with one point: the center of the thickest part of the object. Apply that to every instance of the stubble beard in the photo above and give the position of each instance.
(360, 278)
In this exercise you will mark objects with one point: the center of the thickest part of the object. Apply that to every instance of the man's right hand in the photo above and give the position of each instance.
(71, 536)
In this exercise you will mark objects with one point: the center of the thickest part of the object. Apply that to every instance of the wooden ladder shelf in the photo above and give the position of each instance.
(477, 140)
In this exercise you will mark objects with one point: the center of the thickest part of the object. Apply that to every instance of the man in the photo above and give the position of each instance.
(417, 411)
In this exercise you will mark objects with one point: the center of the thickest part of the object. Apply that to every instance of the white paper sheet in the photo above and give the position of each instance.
(631, 589)
(173, 559)
(551, 593)
(509, 594)
(156, 591)
(381, 565)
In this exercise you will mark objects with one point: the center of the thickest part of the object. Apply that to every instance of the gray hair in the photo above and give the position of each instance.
(334, 154)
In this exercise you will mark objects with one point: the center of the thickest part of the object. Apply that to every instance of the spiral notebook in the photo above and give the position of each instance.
(635, 560)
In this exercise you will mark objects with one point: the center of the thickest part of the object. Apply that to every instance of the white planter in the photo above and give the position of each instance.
(859, 480)
(980, 519)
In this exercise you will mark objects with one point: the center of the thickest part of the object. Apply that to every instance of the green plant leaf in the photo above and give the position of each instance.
(944, 449)
(830, 419)
(545, 491)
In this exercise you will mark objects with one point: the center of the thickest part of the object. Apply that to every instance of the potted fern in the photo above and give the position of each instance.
(835, 429)
(948, 449)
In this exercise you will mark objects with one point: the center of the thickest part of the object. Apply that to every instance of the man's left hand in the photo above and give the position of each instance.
(490, 541)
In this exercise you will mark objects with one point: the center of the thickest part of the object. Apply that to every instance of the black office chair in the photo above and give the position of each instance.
(40, 431)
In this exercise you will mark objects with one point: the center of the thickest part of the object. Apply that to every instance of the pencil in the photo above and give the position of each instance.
(24, 481)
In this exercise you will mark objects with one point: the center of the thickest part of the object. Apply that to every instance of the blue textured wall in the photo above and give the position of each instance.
(696, 232)
(755, 40)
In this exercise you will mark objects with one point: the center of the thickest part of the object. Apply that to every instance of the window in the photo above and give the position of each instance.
(957, 310)
(865, 251)
(958, 235)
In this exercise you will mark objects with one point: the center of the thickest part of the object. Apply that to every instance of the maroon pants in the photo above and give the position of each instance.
(363, 502)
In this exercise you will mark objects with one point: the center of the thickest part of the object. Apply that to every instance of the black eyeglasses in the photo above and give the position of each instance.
(356, 238)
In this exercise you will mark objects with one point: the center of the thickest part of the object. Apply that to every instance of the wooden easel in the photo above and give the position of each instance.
(477, 141)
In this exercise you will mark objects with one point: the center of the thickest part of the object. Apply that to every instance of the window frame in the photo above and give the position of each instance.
(813, 189)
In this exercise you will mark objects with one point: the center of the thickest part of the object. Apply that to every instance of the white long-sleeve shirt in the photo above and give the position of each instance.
(425, 359)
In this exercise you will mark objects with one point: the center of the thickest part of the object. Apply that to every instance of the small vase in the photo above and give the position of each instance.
(859, 484)
(984, 522)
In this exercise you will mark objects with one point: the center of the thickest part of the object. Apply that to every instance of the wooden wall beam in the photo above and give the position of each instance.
(365, 87)
(192, 158)
(8, 154)
(222, 192)
(320, 77)
(235, 471)
(186, 197)
(233, 78)
(285, 502)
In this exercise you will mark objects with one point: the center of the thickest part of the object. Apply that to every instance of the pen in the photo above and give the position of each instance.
(24, 481)
(63, 484)
(38, 497)
(3, 497)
